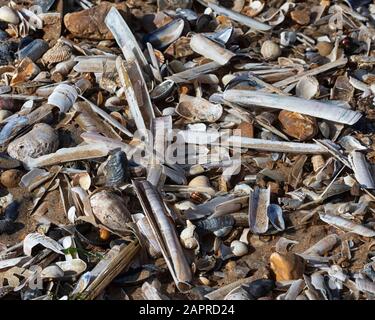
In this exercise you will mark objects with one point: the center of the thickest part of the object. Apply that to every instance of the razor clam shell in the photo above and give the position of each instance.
(349, 143)
(41, 140)
(295, 289)
(209, 49)
(238, 17)
(323, 246)
(315, 108)
(151, 293)
(275, 146)
(125, 38)
(259, 200)
(96, 64)
(110, 209)
(139, 100)
(85, 152)
(363, 172)
(347, 225)
(198, 109)
(365, 285)
(164, 231)
(107, 117)
(195, 72)
(146, 230)
(165, 35)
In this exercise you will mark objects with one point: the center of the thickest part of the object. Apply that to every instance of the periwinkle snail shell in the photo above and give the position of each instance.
(41, 140)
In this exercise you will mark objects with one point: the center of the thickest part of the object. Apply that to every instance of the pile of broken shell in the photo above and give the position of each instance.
(273, 198)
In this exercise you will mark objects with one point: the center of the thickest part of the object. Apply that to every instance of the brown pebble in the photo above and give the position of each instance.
(302, 17)
(324, 48)
(89, 23)
(244, 129)
(11, 178)
(297, 125)
(287, 266)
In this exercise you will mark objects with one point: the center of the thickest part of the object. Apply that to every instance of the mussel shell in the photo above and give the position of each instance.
(11, 127)
(162, 90)
(34, 50)
(117, 169)
(260, 288)
(41, 140)
(7, 162)
(222, 36)
(7, 226)
(216, 223)
(164, 36)
(275, 215)
(11, 211)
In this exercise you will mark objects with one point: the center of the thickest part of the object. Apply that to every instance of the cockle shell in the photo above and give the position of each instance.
(197, 109)
(189, 237)
(58, 53)
(307, 87)
(270, 50)
(41, 140)
(110, 209)
(7, 14)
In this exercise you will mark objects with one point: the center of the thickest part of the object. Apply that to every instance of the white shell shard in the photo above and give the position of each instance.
(7, 14)
(63, 97)
(347, 225)
(52, 272)
(362, 170)
(259, 200)
(33, 239)
(197, 109)
(188, 236)
(210, 49)
(275, 146)
(307, 88)
(315, 108)
(349, 143)
(73, 266)
(323, 246)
